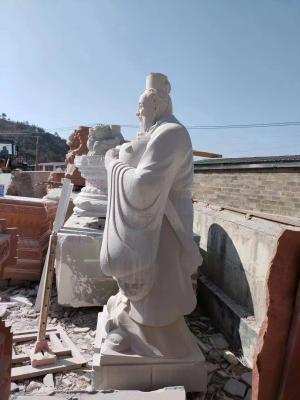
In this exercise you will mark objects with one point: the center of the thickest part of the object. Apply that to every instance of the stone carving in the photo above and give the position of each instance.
(33, 218)
(77, 257)
(78, 146)
(103, 138)
(54, 180)
(92, 200)
(148, 248)
(20, 185)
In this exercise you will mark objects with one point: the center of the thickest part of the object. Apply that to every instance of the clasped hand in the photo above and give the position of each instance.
(110, 155)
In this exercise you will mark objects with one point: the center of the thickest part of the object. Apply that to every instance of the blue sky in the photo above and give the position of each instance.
(69, 62)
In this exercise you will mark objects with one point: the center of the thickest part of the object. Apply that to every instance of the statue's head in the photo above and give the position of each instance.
(103, 137)
(73, 140)
(155, 103)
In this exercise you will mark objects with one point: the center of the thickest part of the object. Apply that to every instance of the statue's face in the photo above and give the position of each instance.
(146, 111)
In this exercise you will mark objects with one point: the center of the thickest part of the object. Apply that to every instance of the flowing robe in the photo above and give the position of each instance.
(141, 249)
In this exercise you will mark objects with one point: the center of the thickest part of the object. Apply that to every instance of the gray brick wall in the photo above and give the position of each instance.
(263, 190)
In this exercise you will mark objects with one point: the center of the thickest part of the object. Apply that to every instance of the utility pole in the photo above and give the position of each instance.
(37, 152)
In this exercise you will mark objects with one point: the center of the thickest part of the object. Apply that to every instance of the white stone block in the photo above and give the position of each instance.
(80, 281)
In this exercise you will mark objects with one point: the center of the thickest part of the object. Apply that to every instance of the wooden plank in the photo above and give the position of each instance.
(56, 345)
(26, 331)
(68, 342)
(206, 154)
(64, 364)
(20, 358)
(58, 223)
(27, 337)
(69, 353)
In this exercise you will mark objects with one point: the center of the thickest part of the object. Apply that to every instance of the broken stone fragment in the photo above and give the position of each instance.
(203, 346)
(21, 300)
(218, 341)
(211, 367)
(33, 385)
(230, 357)
(3, 309)
(14, 387)
(48, 380)
(81, 330)
(66, 382)
(223, 374)
(234, 387)
(247, 378)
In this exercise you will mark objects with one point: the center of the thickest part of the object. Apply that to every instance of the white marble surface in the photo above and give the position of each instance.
(79, 279)
(148, 248)
(130, 371)
(92, 200)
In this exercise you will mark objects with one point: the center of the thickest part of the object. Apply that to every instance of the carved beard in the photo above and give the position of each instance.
(147, 122)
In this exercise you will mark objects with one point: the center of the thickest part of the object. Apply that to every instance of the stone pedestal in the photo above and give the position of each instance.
(113, 370)
(33, 218)
(79, 279)
(92, 200)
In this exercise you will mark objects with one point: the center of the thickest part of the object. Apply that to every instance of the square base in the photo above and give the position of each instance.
(135, 372)
(79, 279)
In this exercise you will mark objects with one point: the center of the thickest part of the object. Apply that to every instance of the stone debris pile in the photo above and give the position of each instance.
(228, 377)
(228, 374)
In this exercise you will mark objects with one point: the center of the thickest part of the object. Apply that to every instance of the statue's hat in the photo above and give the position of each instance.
(158, 82)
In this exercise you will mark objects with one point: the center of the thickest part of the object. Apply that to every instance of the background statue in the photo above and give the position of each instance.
(104, 137)
(78, 146)
(92, 200)
(148, 242)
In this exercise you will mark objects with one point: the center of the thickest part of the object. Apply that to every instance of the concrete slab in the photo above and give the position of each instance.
(169, 393)
(237, 251)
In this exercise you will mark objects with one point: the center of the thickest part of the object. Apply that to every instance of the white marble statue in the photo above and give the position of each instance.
(148, 242)
(92, 200)
(104, 137)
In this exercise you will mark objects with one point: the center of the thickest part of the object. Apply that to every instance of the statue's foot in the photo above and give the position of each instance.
(117, 340)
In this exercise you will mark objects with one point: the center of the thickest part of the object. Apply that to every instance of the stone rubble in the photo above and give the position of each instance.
(228, 378)
(48, 380)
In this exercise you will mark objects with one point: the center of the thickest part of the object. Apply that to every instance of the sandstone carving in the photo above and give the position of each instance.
(33, 218)
(78, 146)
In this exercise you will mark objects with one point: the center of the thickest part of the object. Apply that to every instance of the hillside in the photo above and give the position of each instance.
(51, 147)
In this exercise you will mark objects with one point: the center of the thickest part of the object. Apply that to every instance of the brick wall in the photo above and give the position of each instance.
(271, 191)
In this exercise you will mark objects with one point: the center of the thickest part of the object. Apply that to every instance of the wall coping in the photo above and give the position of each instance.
(248, 163)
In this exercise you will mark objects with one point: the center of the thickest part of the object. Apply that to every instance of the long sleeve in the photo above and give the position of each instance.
(137, 199)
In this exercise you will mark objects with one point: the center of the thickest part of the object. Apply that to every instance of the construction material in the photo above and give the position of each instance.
(206, 154)
(42, 354)
(58, 223)
(66, 353)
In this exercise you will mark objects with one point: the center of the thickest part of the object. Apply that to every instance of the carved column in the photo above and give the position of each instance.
(92, 200)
